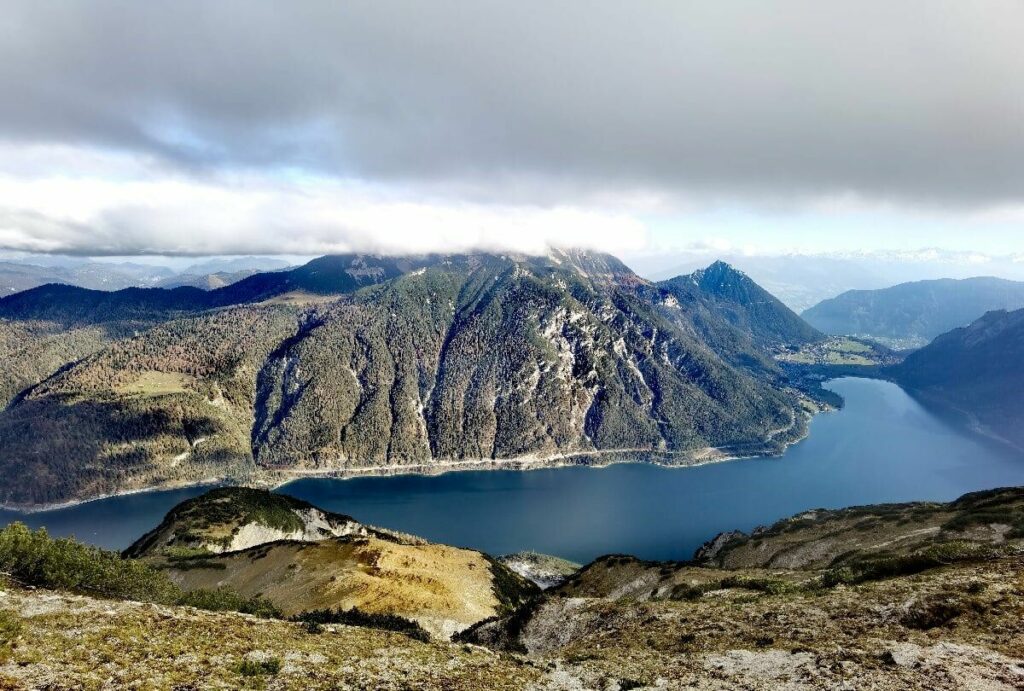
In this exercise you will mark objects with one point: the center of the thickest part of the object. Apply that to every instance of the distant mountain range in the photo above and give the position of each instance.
(803, 280)
(19, 275)
(910, 315)
(357, 362)
(975, 373)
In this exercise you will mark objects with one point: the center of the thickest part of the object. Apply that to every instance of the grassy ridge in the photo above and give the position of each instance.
(34, 558)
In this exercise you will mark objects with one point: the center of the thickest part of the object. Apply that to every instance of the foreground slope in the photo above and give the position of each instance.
(461, 362)
(974, 373)
(905, 607)
(900, 596)
(909, 315)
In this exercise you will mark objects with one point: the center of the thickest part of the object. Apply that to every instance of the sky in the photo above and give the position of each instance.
(651, 130)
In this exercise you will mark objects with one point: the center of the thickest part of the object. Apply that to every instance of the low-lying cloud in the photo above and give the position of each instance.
(255, 215)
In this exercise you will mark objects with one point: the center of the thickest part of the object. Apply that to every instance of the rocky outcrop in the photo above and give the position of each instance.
(237, 518)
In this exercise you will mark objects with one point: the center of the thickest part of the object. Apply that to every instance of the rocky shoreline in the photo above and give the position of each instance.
(599, 458)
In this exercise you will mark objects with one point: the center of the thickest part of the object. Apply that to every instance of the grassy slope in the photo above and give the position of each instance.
(443, 588)
(828, 539)
(951, 628)
(131, 645)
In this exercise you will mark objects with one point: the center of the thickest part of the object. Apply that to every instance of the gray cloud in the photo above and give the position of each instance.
(911, 102)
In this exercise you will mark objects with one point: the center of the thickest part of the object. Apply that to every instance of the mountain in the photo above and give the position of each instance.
(16, 276)
(912, 314)
(744, 304)
(354, 363)
(235, 264)
(49, 327)
(974, 373)
(799, 281)
(304, 559)
(210, 281)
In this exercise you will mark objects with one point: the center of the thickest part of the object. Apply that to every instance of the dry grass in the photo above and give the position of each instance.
(154, 383)
(443, 588)
(67, 642)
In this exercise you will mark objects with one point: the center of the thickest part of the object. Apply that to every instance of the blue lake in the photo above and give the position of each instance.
(882, 447)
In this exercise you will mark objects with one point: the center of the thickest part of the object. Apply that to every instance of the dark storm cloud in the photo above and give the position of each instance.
(905, 102)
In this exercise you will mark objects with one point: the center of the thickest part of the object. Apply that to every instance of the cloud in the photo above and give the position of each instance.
(249, 213)
(917, 102)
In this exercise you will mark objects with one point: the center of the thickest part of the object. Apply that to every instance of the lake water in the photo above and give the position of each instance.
(882, 447)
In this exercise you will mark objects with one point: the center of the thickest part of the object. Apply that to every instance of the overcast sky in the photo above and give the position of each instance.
(636, 127)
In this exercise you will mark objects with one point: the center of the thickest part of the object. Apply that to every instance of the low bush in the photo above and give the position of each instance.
(228, 600)
(357, 617)
(36, 559)
(258, 668)
(939, 610)
(874, 568)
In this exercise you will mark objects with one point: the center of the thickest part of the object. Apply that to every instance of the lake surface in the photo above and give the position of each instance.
(882, 447)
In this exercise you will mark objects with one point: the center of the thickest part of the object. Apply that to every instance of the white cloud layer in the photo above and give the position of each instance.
(204, 126)
(130, 211)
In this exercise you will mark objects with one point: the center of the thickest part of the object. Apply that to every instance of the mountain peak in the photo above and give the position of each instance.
(718, 272)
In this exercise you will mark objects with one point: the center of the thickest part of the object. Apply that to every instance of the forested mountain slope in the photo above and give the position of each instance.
(975, 372)
(736, 317)
(436, 360)
(912, 314)
(50, 326)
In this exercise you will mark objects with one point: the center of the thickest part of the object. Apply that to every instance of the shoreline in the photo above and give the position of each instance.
(274, 479)
(72, 503)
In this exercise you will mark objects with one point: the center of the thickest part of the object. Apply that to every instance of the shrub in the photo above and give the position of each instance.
(772, 586)
(36, 559)
(939, 610)
(878, 567)
(357, 617)
(258, 668)
(228, 600)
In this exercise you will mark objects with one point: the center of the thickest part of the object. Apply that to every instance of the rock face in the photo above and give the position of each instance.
(710, 550)
(544, 570)
(431, 361)
(237, 518)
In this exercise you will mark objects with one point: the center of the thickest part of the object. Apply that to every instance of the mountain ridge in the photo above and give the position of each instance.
(409, 363)
(974, 374)
(911, 314)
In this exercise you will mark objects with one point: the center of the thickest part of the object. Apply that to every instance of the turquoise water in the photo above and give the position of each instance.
(882, 447)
